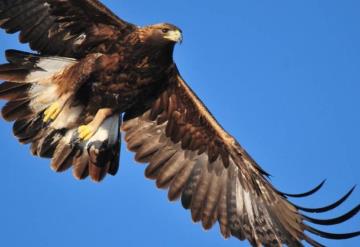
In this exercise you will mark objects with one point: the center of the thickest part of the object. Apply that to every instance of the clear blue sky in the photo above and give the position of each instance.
(281, 76)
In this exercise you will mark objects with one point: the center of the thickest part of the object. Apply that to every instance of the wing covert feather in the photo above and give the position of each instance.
(68, 28)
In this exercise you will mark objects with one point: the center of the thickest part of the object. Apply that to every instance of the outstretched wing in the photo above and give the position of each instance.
(190, 154)
(67, 28)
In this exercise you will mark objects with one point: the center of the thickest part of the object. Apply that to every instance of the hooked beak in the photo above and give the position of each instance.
(175, 36)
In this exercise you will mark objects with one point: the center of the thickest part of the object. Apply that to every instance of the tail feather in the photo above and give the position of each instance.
(46, 146)
(11, 72)
(97, 173)
(20, 65)
(63, 157)
(29, 90)
(27, 130)
(17, 109)
(115, 154)
(94, 158)
(81, 166)
(11, 90)
(21, 57)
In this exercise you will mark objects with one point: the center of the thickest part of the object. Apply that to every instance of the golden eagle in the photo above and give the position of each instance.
(95, 74)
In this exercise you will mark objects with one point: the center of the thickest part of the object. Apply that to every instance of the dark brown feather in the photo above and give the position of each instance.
(27, 130)
(97, 173)
(63, 157)
(81, 165)
(16, 110)
(58, 27)
(215, 177)
(209, 210)
(200, 195)
(10, 90)
(115, 161)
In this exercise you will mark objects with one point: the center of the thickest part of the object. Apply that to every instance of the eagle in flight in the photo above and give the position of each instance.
(94, 75)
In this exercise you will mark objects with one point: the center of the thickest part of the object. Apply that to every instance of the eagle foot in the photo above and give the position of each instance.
(85, 132)
(52, 112)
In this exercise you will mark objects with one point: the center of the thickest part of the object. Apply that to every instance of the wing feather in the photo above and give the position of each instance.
(63, 27)
(191, 154)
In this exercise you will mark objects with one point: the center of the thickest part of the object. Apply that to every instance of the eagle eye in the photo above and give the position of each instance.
(165, 30)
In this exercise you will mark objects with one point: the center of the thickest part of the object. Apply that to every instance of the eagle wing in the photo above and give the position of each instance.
(68, 28)
(190, 154)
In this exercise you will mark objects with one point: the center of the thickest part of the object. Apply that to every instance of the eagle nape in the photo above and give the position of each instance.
(93, 76)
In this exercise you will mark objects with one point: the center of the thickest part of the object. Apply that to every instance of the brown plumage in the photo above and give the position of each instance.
(94, 71)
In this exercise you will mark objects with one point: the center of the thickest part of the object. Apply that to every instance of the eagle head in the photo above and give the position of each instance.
(162, 34)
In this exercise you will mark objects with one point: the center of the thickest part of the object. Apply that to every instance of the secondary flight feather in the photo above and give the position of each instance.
(94, 74)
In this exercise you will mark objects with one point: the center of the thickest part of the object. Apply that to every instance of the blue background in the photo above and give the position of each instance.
(281, 76)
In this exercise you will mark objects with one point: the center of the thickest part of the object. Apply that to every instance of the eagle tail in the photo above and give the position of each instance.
(29, 90)
(95, 157)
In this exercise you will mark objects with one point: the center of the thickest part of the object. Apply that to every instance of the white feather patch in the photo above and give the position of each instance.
(68, 136)
(49, 66)
(42, 96)
(67, 116)
(107, 131)
(80, 39)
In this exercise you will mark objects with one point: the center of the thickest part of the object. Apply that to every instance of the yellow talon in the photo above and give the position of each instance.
(85, 132)
(52, 112)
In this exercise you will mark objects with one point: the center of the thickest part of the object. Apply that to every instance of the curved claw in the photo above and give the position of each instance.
(336, 220)
(332, 235)
(316, 189)
(329, 207)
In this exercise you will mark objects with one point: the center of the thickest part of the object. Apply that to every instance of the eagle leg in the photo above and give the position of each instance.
(55, 108)
(87, 131)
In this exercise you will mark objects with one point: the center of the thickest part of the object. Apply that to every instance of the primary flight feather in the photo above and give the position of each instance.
(94, 74)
